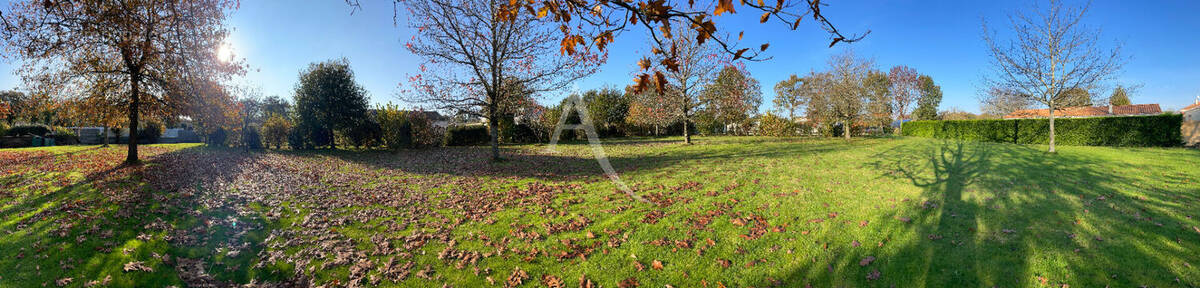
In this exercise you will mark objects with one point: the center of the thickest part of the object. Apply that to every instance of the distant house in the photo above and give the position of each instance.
(1191, 123)
(1088, 111)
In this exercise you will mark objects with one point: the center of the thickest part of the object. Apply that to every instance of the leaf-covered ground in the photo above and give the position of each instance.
(733, 212)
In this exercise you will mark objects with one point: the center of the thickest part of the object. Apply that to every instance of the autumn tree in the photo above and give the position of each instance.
(845, 98)
(789, 97)
(931, 97)
(732, 97)
(1052, 52)
(17, 103)
(587, 24)
(475, 49)
(649, 108)
(689, 67)
(904, 90)
(880, 102)
(157, 47)
(329, 100)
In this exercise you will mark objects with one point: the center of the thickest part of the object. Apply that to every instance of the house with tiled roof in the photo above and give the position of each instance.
(1191, 123)
(1088, 111)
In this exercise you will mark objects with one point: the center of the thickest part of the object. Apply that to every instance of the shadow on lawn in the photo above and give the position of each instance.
(573, 159)
(1007, 215)
(115, 214)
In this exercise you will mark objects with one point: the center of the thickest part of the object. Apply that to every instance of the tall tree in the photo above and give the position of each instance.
(732, 97)
(158, 47)
(904, 89)
(276, 106)
(689, 66)
(1119, 97)
(931, 97)
(602, 21)
(653, 109)
(846, 97)
(880, 102)
(608, 108)
(328, 99)
(1052, 52)
(789, 96)
(17, 104)
(474, 48)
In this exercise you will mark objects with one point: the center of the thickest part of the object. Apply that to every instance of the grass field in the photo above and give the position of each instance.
(733, 212)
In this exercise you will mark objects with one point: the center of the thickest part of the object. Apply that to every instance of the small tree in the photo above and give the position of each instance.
(732, 97)
(328, 100)
(931, 97)
(880, 101)
(789, 96)
(845, 97)
(1119, 97)
(1052, 52)
(904, 90)
(275, 131)
(396, 130)
(608, 108)
(653, 109)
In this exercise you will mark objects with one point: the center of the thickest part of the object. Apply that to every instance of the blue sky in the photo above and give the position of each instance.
(937, 38)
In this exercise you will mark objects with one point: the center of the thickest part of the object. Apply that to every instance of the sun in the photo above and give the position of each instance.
(225, 52)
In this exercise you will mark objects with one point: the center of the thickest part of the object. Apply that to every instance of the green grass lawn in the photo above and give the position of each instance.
(728, 211)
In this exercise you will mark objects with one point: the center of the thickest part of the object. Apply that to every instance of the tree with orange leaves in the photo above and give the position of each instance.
(157, 48)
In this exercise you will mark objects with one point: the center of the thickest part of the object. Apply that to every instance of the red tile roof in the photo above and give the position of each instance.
(1088, 111)
(1190, 107)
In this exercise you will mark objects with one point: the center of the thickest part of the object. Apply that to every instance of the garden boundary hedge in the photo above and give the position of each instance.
(1143, 131)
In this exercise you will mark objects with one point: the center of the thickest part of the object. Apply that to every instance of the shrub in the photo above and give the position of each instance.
(275, 131)
(297, 139)
(467, 135)
(28, 129)
(150, 132)
(771, 125)
(64, 136)
(396, 131)
(217, 137)
(3, 128)
(424, 133)
(251, 138)
(366, 133)
(1160, 130)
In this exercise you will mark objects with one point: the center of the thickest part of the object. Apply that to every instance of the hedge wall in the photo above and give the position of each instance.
(1158, 130)
(467, 135)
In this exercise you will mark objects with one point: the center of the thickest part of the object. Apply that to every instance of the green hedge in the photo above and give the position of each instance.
(467, 135)
(1159, 130)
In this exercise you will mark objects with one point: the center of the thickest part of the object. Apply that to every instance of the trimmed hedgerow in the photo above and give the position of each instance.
(1158, 130)
(467, 135)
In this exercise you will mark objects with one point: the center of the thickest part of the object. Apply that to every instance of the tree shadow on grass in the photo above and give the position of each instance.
(114, 215)
(1008, 215)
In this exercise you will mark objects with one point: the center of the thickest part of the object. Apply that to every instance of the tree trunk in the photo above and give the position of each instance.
(687, 138)
(131, 157)
(105, 136)
(846, 129)
(1051, 128)
(495, 134)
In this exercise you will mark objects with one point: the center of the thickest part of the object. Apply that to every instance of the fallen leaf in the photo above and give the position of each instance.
(866, 261)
